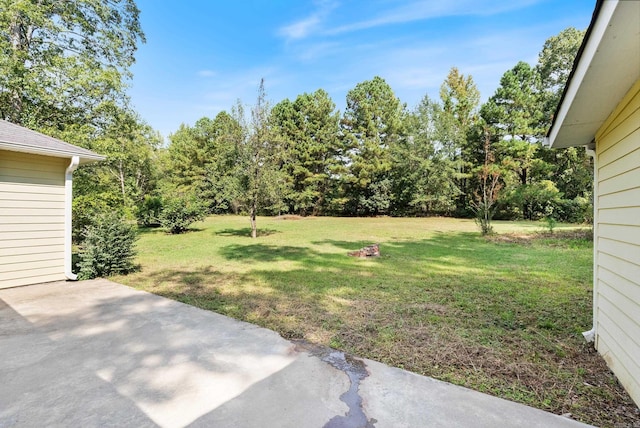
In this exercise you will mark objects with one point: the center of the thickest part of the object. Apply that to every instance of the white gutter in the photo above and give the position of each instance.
(68, 199)
(590, 336)
(595, 38)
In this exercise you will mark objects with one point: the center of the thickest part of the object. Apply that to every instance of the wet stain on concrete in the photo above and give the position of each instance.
(356, 370)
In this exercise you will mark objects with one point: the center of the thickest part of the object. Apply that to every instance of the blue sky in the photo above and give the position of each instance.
(203, 55)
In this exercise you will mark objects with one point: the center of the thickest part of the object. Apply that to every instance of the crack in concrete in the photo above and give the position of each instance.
(356, 370)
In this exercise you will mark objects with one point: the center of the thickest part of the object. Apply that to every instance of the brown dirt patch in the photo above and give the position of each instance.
(289, 217)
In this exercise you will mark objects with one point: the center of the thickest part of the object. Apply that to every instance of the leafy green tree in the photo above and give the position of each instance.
(486, 196)
(187, 155)
(372, 123)
(537, 198)
(201, 159)
(520, 112)
(220, 185)
(129, 172)
(130, 146)
(63, 71)
(572, 170)
(309, 129)
(62, 61)
(424, 172)
(460, 99)
(122, 181)
(260, 163)
(89, 204)
(179, 212)
(514, 115)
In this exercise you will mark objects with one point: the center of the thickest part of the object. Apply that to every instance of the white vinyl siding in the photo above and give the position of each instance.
(617, 246)
(31, 218)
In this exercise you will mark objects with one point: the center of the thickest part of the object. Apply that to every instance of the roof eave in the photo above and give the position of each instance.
(595, 87)
(84, 157)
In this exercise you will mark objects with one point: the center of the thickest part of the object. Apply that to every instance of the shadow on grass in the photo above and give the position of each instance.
(163, 231)
(473, 284)
(345, 245)
(245, 232)
(147, 230)
(267, 253)
(439, 246)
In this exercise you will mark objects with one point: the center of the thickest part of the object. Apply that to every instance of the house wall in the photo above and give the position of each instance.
(31, 218)
(617, 245)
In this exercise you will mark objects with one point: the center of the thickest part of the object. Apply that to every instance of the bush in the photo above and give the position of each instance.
(108, 248)
(87, 208)
(180, 212)
(148, 213)
(577, 210)
(550, 223)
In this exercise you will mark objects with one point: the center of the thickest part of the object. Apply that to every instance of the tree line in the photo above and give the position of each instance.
(380, 157)
(64, 71)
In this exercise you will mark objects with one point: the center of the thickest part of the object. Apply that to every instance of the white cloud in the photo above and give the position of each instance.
(316, 51)
(206, 73)
(224, 92)
(300, 29)
(428, 9)
(304, 27)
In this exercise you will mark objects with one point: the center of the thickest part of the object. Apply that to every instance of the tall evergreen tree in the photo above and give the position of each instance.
(515, 109)
(188, 154)
(572, 171)
(220, 187)
(460, 98)
(309, 126)
(201, 160)
(555, 62)
(424, 170)
(372, 122)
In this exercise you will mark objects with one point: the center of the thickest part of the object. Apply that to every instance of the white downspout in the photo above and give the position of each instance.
(68, 199)
(590, 336)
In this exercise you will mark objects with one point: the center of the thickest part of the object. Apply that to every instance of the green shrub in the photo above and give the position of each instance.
(550, 223)
(577, 210)
(87, 208)
(108, 247)
(149, 211)
(180, 212)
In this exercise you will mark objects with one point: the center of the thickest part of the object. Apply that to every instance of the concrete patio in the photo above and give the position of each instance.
(97, 353)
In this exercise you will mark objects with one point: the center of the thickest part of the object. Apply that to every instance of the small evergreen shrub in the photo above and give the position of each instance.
(148, 212)
(108, 248)
(180, 212)
(550, 223)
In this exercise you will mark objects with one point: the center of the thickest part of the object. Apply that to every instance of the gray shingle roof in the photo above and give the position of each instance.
(19, 139)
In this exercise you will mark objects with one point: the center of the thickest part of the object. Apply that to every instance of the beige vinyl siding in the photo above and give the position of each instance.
(31, 218)
(617, 248)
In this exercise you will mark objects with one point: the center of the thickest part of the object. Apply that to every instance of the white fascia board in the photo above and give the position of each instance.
(84, 158)
(589, 52)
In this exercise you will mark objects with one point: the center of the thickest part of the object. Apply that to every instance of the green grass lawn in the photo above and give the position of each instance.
(501, 315)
